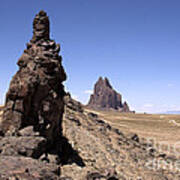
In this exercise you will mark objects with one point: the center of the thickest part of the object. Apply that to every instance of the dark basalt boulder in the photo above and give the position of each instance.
(106, 98)
(20, 168)
(23, 146)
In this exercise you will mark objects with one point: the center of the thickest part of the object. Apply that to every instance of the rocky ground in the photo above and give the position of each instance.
(93, 149)
(163, 129)
(105, 149)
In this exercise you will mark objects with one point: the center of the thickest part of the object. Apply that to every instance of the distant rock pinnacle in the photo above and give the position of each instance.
(105, 97)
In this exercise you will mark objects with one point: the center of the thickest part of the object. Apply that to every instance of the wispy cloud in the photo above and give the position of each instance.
(88, 91)
(148, 105)
(170, 85)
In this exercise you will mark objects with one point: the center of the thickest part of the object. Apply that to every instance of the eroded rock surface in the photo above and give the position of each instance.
(23, 146)
(30, 128)
(23, 168)
(106, 98)
(35, 95)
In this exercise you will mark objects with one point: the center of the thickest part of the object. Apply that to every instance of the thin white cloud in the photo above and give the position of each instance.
(88, 91)
(148, 105)
(170, 85)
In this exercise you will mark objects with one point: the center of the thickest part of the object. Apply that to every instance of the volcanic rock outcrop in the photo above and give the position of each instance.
(31, 124)
(35, 95)
(105, 97)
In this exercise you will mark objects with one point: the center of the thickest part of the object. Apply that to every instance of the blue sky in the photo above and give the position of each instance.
(135, 43)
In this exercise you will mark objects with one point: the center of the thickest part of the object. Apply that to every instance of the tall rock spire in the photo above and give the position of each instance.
(35, 95)
(41, 28)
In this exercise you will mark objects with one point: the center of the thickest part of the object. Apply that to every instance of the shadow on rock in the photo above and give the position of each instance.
(65, 153)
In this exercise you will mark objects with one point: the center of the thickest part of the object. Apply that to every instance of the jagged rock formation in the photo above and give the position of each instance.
(35, 95)
(106, 98)
(30, 127)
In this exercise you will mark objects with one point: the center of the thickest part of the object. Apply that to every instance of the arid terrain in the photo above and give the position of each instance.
(118, 145)
(136, 146)
(162, 129)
